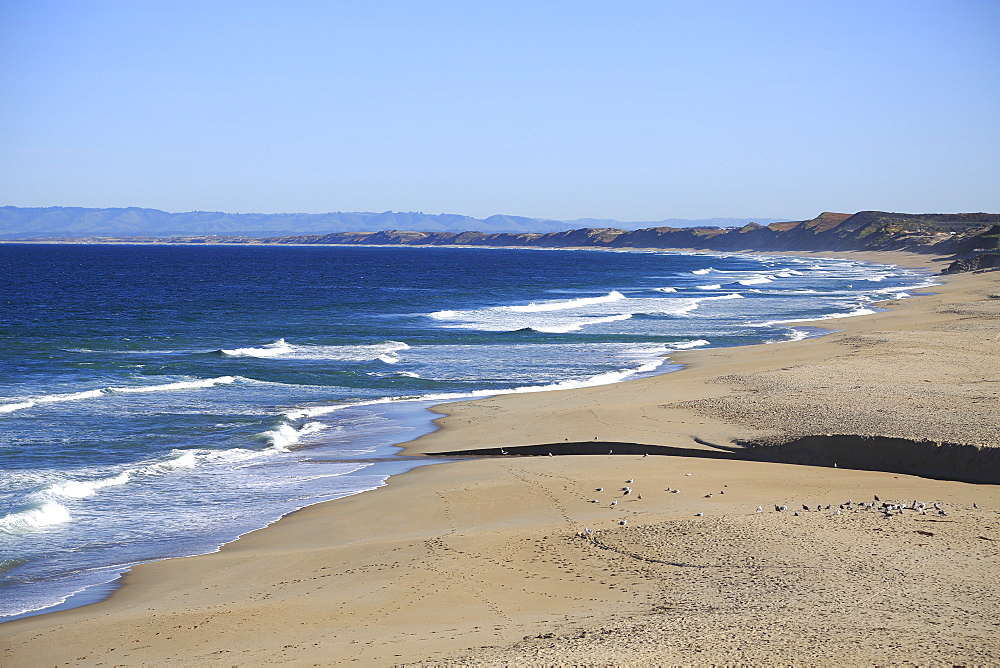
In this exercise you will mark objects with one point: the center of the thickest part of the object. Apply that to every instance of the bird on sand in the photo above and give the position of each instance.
(624, 523)
(615, 502)
(760, 509)
(698, 514)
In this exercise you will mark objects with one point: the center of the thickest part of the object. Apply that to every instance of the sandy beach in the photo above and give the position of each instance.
(524, 560)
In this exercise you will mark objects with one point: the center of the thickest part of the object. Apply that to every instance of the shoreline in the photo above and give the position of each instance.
(461, 422)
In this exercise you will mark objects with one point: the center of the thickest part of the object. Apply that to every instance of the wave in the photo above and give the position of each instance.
(759, 280)
(283, 437)
(690, 344)
(665, 289)
(386, 351)
(612, 296)
(713, 286)
(45, 514)
(81, 489)
(860, 310)
(702, 272)
(105, 391)
(578, 324)
(604, 378)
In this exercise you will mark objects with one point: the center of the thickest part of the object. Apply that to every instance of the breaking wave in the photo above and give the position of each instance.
(31, 402)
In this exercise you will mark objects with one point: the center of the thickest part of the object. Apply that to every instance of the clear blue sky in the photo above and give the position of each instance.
(626, 110)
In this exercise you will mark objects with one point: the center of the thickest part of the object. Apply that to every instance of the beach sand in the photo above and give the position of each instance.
(486, 562)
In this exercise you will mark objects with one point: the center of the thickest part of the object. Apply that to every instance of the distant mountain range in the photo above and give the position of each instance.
(973, 238)
(76, 222)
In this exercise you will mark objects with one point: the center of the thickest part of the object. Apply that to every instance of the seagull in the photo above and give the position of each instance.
(836, 512)
(503, 452)
(630, 481)
(594, 501)
(550, 454)
(975, 505)
(722, 491)
(624, 523)
(760, 509)
(698, 514)
(615, 502)
(805, 507)
(687, 474)
(942, 513)
(638, 496)
(708, 496)
(675, 491)
(600, 489)
(876, 498)
(587, 531)
(646, 454)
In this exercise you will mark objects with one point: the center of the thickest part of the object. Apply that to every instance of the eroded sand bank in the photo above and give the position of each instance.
(486, 562)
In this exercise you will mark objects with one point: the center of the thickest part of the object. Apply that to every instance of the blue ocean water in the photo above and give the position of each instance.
(159, 401)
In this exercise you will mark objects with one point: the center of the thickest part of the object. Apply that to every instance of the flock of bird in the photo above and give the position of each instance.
(887, 509)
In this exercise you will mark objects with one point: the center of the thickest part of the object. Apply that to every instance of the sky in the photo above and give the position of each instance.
(635, 111)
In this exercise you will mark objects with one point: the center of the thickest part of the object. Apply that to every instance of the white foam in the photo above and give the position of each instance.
(759, 280)
(49, 399)
(46, 514)
(94, 394)
(690, 344)
(665, 289)
(80, 489)
(612, 296)
(713, 286)
(170, 387)
(347, 353)
(579, 324)
(730, 295)
(702, 272)
(283, 437)
(860, 310)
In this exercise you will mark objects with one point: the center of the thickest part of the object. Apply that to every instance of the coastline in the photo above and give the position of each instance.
(504, 510)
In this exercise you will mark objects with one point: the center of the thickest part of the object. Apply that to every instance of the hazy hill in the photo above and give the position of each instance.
(76, 222)
(960, 233)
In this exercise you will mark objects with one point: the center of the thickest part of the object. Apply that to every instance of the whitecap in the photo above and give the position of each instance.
(714, 286)
(337, 353)
(759, 280)
(80, 489)
(284, 436)
(42, 515)
(612, 296)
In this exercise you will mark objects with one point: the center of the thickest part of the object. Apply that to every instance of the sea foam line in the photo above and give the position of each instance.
(105, 391)
(386, 351)
(605, 378)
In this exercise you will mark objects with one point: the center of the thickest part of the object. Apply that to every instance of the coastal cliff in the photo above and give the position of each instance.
(952, 234)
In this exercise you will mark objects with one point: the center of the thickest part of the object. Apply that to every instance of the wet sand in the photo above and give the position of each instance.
(486, 561)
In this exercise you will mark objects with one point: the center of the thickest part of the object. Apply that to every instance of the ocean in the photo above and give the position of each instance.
(159, 401)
